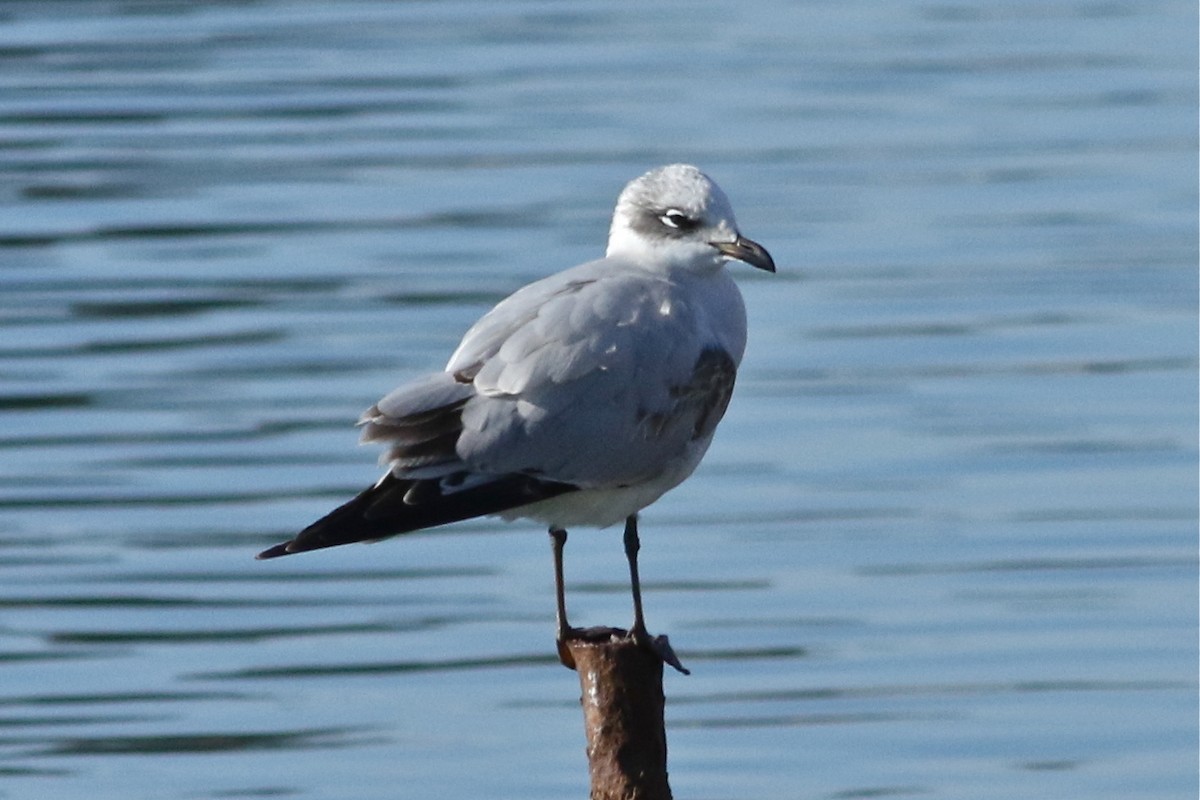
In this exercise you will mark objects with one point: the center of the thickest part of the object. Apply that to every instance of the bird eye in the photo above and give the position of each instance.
(674, 218)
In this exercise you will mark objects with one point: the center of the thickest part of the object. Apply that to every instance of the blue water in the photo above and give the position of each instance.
(943, 546)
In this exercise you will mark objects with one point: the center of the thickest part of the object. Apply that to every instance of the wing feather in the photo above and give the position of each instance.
(602, 377)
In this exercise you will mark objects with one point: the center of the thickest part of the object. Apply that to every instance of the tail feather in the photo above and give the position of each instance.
(382, 510)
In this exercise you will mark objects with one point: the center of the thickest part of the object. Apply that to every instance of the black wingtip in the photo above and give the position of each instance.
(384, 510)
(274, 552)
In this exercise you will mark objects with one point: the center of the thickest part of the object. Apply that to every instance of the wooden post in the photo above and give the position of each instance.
(623, 703)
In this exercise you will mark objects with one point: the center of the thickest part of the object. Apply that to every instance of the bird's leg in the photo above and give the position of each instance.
(558, 538)
(657, 644)
(632, 546)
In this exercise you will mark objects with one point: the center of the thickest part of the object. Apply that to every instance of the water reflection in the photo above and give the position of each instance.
(216, 742)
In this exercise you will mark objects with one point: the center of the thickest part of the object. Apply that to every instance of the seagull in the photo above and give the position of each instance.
(578, 400)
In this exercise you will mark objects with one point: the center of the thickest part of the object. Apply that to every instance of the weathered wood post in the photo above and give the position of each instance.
(623, 702)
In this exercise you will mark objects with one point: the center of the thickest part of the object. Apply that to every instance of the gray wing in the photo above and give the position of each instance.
(605, 382)
(427, 484)
(595, 378)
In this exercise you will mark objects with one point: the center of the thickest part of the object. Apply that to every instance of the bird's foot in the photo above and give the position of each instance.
(566, 634)
(659, 646)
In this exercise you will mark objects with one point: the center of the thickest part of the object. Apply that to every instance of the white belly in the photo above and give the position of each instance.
(601, 507)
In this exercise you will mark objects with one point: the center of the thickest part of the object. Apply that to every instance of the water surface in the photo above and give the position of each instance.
(943, 546)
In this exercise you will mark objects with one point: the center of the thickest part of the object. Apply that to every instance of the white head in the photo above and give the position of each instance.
(677, 216)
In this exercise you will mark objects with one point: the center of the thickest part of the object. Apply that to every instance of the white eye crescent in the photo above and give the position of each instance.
(674, 218)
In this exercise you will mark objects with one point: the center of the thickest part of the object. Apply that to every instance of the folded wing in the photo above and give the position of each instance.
(596, 378)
